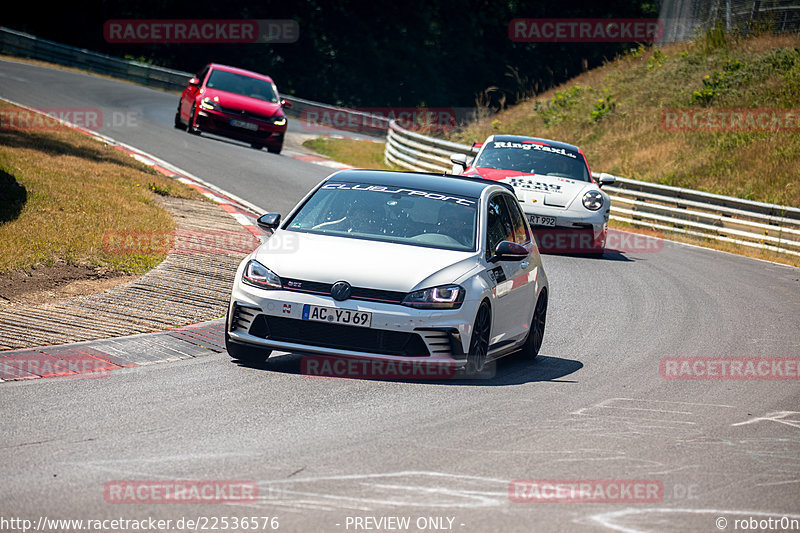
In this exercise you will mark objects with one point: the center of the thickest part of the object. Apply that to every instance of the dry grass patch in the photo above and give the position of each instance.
(61, 192)
(358, 153)
(614, 114)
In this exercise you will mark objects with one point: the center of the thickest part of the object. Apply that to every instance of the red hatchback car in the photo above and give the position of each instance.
(234, 103)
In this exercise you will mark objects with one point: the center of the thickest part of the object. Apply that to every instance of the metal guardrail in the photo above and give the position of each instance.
(317, 114)
(415, 151)
(19, 44)
(639, 203)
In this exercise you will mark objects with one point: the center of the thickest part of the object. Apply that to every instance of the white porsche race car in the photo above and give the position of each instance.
(393, 266)
(563, 203)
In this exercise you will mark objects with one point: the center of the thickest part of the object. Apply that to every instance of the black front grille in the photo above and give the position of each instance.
(357, 293)
(338, 336)
(238, 113)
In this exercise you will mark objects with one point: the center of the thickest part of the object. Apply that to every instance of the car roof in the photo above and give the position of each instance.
(250, 73)
(441, 183)
(521, 138)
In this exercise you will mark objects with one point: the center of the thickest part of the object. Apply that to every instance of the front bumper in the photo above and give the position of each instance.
(220, 123)
(569, 218)
(574, 232)
(273, 319)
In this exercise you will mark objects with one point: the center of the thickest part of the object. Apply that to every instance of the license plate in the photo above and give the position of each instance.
(243, 124)
(537, 220)
(333, 315)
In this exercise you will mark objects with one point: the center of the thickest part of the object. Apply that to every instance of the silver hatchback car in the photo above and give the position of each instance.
(394, 266)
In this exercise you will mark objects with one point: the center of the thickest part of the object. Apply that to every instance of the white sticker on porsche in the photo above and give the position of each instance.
(535, 147)
(528, 184)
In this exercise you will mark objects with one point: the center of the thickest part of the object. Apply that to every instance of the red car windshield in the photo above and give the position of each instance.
(242, 85)
(534, 158)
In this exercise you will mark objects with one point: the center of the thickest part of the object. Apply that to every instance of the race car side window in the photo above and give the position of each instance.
(521, 235)
(498, 224)
(203, 74)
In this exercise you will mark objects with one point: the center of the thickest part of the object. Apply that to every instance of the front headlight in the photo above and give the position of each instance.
(593, 200)
(258, 275)
(442, 297)
(208, 103)
(280, 121)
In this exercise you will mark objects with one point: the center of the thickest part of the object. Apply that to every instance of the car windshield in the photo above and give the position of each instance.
(231, 82)
(534, 157)
(391, 214)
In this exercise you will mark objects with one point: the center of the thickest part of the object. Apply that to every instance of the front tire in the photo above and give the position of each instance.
(600, 245)
(245, 353)
(479, 342)
(191, 128)
(178, 124)
(274, 149)
(533, 342)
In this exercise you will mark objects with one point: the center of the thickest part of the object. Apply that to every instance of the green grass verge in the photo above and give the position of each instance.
(360, 154)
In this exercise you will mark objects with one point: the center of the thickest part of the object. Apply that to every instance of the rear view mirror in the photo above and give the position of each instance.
(194, 82)
(269, 221)
(286, 103)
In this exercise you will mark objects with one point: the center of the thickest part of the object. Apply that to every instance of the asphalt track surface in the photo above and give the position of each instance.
(594, 406)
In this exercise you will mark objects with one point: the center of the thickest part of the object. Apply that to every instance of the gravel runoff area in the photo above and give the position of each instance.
(191, 285)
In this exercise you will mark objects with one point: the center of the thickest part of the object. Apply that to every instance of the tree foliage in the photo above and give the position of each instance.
(416, 52)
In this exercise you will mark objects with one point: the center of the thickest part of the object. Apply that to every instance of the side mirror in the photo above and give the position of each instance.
(509, 251)
(269, 221)
(460, 163)
(459, 159)
(286, 103)
(606, 179)
(194, 82)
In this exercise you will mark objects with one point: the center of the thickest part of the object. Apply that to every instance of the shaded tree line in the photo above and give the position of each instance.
(416, 52)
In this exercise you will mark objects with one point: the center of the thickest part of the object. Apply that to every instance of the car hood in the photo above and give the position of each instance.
(535, 189)
(361, 262)
(237, 102)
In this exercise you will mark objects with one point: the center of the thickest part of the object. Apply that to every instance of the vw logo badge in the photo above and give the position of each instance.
(340, 291)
